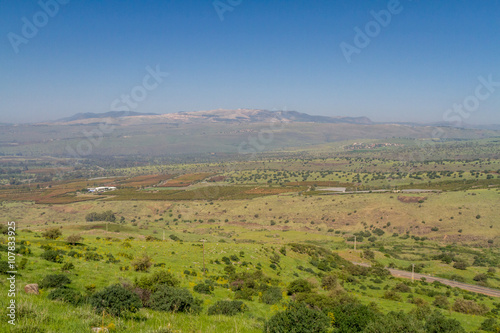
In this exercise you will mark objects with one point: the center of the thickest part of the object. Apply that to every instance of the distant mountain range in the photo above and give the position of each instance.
(212, 116)
(110, 114)
(237, 116)
(211, 132)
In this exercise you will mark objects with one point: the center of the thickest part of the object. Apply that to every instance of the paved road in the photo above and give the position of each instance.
(464, 286)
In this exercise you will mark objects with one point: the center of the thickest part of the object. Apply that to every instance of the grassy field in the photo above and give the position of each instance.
(269, 215)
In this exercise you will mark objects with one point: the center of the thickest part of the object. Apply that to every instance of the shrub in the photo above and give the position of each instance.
(490, 325)
(329, 282)
(323, 302)
(92, 256)
(299, 286)
(437, 323)
(157, 279)
(67, 266)
(54, 281)
(104, 216)
(394, 322)
(115, 300)
(4, 267)
(469, 307)
(142, 264)
(271, 296)
(245, 293)
(174, 299)
(65, 295)
(203, 288)
(52, 233)
(480, 278)
(441, 302)
(228, 308)
(73, 239)
(392, 295)
(403, 288)
(369, 254)
(462, 265)
(353, 317)
(298, 318)
(143, 294)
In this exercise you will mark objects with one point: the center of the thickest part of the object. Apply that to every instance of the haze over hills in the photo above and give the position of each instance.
(207, 132)
(212, 116)
(224, 116)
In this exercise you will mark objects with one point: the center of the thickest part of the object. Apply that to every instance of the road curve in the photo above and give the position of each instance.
(451, 283)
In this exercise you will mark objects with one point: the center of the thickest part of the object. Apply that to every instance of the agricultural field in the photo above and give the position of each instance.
(236, 246)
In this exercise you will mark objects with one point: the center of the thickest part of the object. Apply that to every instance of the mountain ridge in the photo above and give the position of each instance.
(209, 116)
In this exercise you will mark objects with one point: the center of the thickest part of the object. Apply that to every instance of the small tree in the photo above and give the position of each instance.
(142, 263)
(73, 239)
(52, 233)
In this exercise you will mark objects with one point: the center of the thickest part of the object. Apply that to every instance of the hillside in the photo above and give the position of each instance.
(207, 132)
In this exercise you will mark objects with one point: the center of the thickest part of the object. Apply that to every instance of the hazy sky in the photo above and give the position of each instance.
(388, 60)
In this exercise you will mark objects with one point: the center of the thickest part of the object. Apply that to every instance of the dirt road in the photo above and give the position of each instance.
(428, 278)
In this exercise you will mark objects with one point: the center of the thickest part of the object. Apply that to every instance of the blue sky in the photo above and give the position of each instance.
(263, 54)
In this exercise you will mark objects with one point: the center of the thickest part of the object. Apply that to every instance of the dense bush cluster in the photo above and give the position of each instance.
(54, 281)
(228, 308)
(174, 299)
(108, 216)
(115, 300)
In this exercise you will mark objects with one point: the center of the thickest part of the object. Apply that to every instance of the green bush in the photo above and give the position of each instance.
(4, 267)
(52, 233)
(437, 323)
(299, 286)
(271, 295)
(174, 299)
(352, 317)
(329, 282)
(441, 302)
(142, 263)
(115, 300)
(53, 256)
(228, 308)
(67, 266)
(470, 307)
(403, 288)
(73, 239)
(298, 318)
(54, 281)
(394, 322)
(203, 288)
(66, 295)
(157, 279)
(92, 256)
(490, 325)
(104, 216)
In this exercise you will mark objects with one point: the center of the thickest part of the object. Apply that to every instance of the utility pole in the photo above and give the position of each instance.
(203, 240)
(354, 243)
(106, 226)
(163, 234)
(412, 272)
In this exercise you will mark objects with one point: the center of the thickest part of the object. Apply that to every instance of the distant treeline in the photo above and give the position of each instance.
(104, 216)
